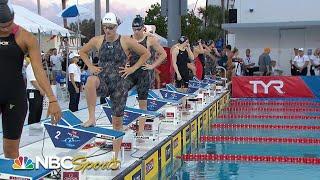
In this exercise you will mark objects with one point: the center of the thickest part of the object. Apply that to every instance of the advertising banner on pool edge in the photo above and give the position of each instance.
(271, 86)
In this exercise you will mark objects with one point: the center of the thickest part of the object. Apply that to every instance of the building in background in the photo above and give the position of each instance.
(55, 41)
(280, 25)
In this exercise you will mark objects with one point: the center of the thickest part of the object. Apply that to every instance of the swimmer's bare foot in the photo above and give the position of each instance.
(114, 164)
(89, 123)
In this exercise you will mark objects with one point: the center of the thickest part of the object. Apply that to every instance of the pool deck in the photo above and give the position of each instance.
(148, 159)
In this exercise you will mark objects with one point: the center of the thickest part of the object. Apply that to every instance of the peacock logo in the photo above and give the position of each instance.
(23, 163)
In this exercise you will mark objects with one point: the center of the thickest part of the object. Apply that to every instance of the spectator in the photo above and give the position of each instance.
(56, 61)
(74, 85)
(275, 69)
(265, 62)
(248, 64)
(315, 63)
(35, 95)
(301, 63)
(293, 68)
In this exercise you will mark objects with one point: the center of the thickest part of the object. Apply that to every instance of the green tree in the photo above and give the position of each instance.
(191, 26)
(86, 29)
(154, 18)
(214, 19)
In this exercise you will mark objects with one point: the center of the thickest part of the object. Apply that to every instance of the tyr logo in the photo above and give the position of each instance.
(4, 43)
(276, 84)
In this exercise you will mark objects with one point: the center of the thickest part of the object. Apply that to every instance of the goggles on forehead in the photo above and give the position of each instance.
(137, 28)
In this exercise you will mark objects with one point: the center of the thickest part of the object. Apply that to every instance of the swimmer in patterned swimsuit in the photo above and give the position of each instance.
(143, 78)
(109, 76)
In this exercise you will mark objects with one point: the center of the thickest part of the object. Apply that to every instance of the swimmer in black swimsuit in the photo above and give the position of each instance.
(181, 56)
(109, 76)
(14, 43)
(143, 78)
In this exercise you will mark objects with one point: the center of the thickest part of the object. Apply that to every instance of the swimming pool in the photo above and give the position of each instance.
(259, 149)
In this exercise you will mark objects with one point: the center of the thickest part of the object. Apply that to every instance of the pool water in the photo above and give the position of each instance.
(224, 170)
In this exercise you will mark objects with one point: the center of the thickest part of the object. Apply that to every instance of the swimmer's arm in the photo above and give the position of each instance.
(159, 49)
(84, 51)
(37, 86)
(35, 58)
(140, 50)
(174, 61)
(190, 54)
(201, 50)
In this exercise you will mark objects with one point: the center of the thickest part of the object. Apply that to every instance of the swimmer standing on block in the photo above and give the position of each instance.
(14, 43)
(109, 78)
(143, 78)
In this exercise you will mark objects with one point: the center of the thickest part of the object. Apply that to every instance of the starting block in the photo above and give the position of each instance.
(133, 114)
(70, 134)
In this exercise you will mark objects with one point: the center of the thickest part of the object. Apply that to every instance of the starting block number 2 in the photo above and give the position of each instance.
(58, 134)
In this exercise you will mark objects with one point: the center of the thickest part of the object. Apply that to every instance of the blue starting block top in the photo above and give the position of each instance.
(198, 84)
(128, 116)
(171, 87)
(152, 94)
(7, 172)
(70, 118)
(171, 95)
(192, 90)
(143, 112)
(134, 110)
(154, 104)
(69, 133)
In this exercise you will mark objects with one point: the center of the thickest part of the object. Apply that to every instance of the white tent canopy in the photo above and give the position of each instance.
(34, 23)
(126, 29)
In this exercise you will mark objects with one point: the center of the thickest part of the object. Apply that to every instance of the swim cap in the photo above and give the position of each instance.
(137, 21)
(110, 18)
(182, 39)
(6, 11)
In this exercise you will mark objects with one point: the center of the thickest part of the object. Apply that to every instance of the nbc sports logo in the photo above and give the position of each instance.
(49, 162)
(23, 163)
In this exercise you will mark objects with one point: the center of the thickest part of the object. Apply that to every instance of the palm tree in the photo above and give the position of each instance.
(223, 11)
(64, 5)
(205, 16)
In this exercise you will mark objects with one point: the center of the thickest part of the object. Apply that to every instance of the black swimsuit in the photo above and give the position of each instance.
(13, 99)
(140, 78)
(182, 63)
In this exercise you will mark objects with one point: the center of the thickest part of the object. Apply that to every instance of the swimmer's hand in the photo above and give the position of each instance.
(147, 67)
(179, 77)
(54, 111)
(95, 70)
(126, 71)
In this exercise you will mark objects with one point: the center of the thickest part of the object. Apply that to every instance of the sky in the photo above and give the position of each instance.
(122, 8)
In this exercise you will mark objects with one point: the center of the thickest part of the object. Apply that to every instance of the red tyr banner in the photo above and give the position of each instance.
(270, 86)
